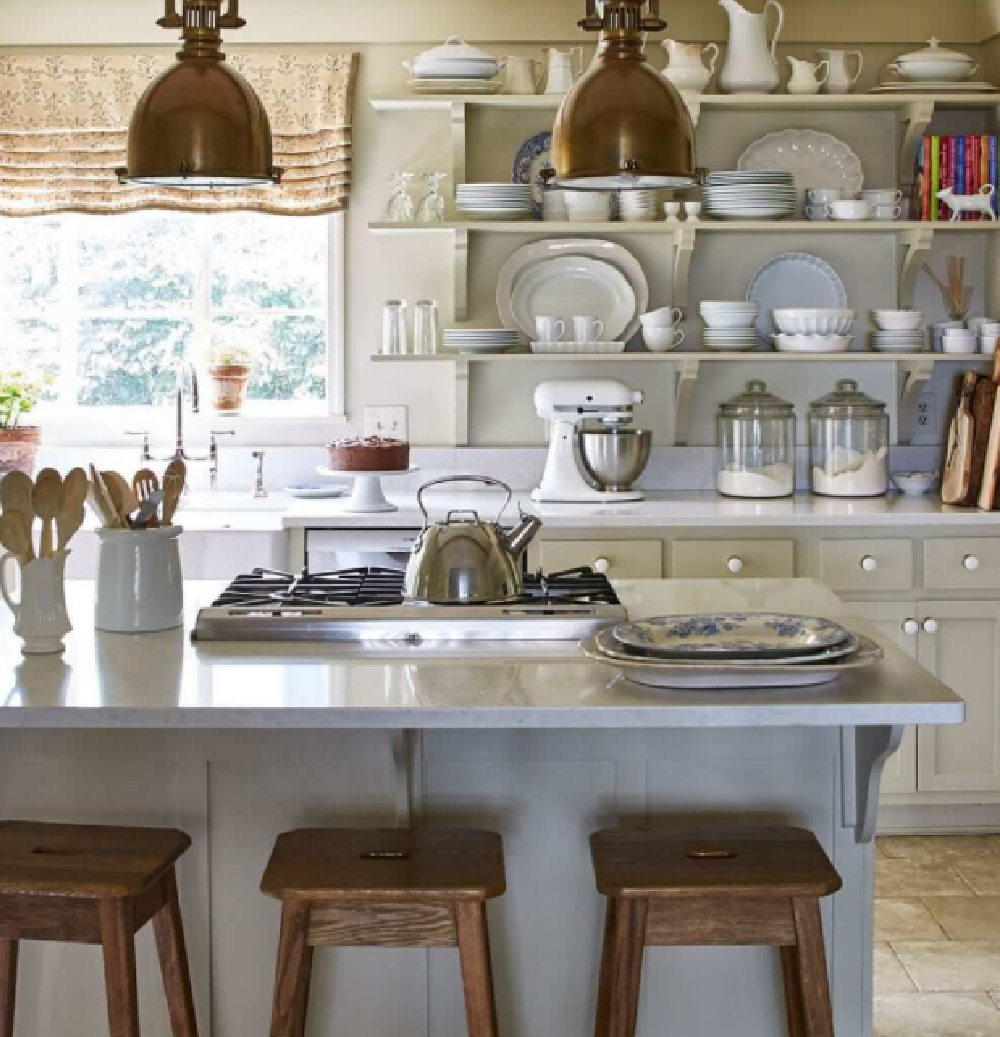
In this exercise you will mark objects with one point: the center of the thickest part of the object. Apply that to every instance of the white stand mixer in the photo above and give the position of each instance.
(567, 405)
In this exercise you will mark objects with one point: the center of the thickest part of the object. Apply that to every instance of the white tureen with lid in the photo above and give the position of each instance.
(455, 59)
(934, 62)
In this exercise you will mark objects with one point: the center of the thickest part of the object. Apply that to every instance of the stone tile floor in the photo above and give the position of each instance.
(937, 936)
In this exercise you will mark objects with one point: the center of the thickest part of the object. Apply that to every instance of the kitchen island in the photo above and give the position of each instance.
(237, 742)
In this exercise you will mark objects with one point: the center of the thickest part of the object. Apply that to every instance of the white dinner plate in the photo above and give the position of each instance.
(609, 252)
(794, 279)
(316, 491)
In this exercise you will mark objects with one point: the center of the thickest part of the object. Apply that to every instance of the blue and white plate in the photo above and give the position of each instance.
(731, 635)
(534, 155)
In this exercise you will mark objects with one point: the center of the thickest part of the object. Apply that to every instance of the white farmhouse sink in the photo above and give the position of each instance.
(232, 502)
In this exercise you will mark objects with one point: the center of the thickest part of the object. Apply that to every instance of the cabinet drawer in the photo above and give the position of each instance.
(724, 559)
(962, 564)
(867, 565)
(619, 559)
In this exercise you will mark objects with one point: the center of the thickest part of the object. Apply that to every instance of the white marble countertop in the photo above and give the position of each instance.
(162, 681)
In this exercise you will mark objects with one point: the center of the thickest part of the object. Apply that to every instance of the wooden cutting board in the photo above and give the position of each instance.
(958, 459)
(991, 465)
(983, 403)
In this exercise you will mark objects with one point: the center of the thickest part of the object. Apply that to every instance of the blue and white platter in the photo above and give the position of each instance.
(534, 155)
(731, 635)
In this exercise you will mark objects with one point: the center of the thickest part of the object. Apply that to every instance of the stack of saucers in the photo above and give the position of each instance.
(729, 326)
(494, 201)
(481, 340)
(750, 195)
(639, 206)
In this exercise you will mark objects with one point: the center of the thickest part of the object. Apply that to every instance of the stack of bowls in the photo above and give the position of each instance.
(587, 206)
(639, 206)
(750, 195)
(494, 201)
(815, 330)
(729, 326)
(900, 331)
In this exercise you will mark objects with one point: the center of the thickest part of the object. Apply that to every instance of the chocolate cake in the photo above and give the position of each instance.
(371, 454)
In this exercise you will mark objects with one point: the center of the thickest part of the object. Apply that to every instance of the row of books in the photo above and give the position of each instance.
(965, 164)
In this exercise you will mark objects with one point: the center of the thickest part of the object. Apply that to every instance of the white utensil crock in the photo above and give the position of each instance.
(40, 617)
(139, 584)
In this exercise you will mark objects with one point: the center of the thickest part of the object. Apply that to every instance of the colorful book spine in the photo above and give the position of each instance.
(993, 171)
(958, 181)
(935, 183)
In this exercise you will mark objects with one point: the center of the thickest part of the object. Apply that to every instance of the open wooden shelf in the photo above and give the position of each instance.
(699, 226)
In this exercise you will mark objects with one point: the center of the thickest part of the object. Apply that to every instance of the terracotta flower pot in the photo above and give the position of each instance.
(19, 449)
(229, 387)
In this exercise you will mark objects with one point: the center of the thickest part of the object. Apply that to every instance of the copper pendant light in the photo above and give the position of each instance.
(200, 124)
(623, 125)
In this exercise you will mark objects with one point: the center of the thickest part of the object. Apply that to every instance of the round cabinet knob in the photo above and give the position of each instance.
(735, 564)
(602, 565)
(971, 563)
(911, 627)
(930, 626)
(869, 564)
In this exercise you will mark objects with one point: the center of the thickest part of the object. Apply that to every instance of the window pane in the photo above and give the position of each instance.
(291, 355)
(29, 258)
(33, 346)
(269, 262)
(129, 363)
(137, 262)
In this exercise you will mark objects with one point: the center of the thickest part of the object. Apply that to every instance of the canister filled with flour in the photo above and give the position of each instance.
(849, 443)
(757, 444)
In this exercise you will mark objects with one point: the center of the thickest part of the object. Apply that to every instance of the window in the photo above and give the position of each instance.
(110, 307)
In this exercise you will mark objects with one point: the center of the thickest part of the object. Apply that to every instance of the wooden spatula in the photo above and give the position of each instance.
(121, 495)
(173, 486)
(15, 534)
(144, 485)
(15, 492)
(47, 500)
(100, 501)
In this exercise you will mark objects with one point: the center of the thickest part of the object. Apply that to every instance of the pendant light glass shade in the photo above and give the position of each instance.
(623, 126)
(200, 124)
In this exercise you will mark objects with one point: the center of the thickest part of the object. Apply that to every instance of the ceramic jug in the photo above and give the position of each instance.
(524, 75)
(751, 62)
(685, 68)
(840, 80)
(140, 588)
(806, 77)
(565, 67)
(40, 617)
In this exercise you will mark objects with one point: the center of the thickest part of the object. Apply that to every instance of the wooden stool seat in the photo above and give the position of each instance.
(100, 885)
(718, 887)
(349, 887)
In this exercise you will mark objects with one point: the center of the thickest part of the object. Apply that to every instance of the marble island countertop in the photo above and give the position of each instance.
(163, 681)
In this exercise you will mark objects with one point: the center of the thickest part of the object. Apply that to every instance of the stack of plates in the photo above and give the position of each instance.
(730, 339)
(494, 201)
(899, 341)
(750, 195)
(731, 650)
(639, 206)
(481, 340)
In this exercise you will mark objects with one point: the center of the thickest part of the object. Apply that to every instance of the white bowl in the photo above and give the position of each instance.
(897, 320)
(915, 484)
(729, 306)
(814, 321)
(812, 343)
(959, 345)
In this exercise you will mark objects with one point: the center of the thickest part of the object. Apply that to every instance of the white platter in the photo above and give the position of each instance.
(794, 279)
(609, 252)
(814, 159)
(310, 491)
(577, 347)
(455, 86)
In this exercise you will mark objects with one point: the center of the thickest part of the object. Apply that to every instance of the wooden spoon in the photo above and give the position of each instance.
(15, 492)
(68, 521)
(15, 534)
(100, 501)
(75, 487)
(145, 484)
(47, 500)
(121, 494)
(173, 486)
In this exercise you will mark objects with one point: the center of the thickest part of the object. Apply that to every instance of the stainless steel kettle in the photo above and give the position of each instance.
(464, 560)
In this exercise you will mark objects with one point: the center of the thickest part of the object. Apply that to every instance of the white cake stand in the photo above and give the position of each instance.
(366, 496)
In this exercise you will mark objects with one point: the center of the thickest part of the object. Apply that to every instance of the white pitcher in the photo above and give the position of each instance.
(806, 77)
(140, 588)
(841, 81)
(565, 67)
(685, 67)
(751, 62)
(40, 617)
(524, 75)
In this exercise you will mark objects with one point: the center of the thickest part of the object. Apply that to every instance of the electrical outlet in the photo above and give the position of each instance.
(386, 421)
(927, 414)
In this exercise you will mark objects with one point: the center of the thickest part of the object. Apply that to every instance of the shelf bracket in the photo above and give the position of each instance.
(688, 369)
(460, 264)
(458, 111)
(917, 244)
(461, 368)
(684, 239)
(915, 373)
(916, 117)
(863, 754)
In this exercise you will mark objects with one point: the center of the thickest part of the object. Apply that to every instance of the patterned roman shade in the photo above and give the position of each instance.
(64, 124)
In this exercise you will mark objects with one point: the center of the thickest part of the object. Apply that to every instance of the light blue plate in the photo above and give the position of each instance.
(532, 157)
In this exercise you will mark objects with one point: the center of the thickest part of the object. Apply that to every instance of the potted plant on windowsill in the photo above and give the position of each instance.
(19, 443)
(229, 370)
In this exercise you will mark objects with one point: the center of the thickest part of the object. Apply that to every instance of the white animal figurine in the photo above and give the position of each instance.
(959, 203)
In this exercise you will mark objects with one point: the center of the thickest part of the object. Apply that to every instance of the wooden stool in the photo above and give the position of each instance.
(346, 887)
(95, 884)
(742, 887)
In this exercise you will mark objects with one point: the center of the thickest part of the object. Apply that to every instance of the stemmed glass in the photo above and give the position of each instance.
(431, 207)
(400, 206)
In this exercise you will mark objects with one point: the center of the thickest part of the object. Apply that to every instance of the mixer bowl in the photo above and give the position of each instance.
(615, 457)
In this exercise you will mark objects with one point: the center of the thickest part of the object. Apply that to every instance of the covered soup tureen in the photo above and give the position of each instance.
(934, 63)
(454, 59)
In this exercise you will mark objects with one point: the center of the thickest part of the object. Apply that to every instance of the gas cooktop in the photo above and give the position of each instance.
(362, 605)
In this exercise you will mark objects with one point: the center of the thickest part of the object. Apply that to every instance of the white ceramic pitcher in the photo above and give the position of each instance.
(751, 62)
(685, 65)
(841, 81)
(524, 75)
(40, 617)
(565, 67)
(807, 78)
(140, 588)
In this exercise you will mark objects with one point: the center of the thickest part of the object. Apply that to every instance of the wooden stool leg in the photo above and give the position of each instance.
(605, 981)
(118, 943)
(169, 931)
(793, 992)
(477, 974)
(291, 981)
(626, 972)
(814, 981)
(307, 964)
(8, 986)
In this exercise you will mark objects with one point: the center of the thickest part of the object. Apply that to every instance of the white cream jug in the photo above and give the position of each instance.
(840, 80)
(751, 65)
(806, 77)
(40, 617)
(524, 75)
(565, 67)
(685, 67)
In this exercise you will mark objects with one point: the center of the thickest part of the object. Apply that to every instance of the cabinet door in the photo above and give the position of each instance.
(960, 644)
(898, 622)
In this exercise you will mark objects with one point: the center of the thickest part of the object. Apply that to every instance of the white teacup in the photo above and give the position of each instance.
(886, 212)
(816, 212)
(824, 195)
(40, 617)
(588, 329)
(882, 196)
(661, 339)
(665, 317)
(849, 210)
(549, 329)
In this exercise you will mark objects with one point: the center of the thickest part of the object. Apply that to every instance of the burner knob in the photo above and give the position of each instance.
(602, 565)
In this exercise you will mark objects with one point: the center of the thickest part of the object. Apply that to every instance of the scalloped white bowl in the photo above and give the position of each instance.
(814, 321)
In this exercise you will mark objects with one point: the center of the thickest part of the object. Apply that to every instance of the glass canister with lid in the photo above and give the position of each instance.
(849, 443)
(757, 444)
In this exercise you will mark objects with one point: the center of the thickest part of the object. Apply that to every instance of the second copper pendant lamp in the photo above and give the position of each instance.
(200, 124)
(623, 125)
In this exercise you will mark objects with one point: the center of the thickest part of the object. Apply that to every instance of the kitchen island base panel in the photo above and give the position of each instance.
(544, 791)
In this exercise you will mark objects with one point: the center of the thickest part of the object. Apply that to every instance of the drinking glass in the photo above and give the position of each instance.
(426, 328)
(431, 207)
(400, 206)
(394, 337)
